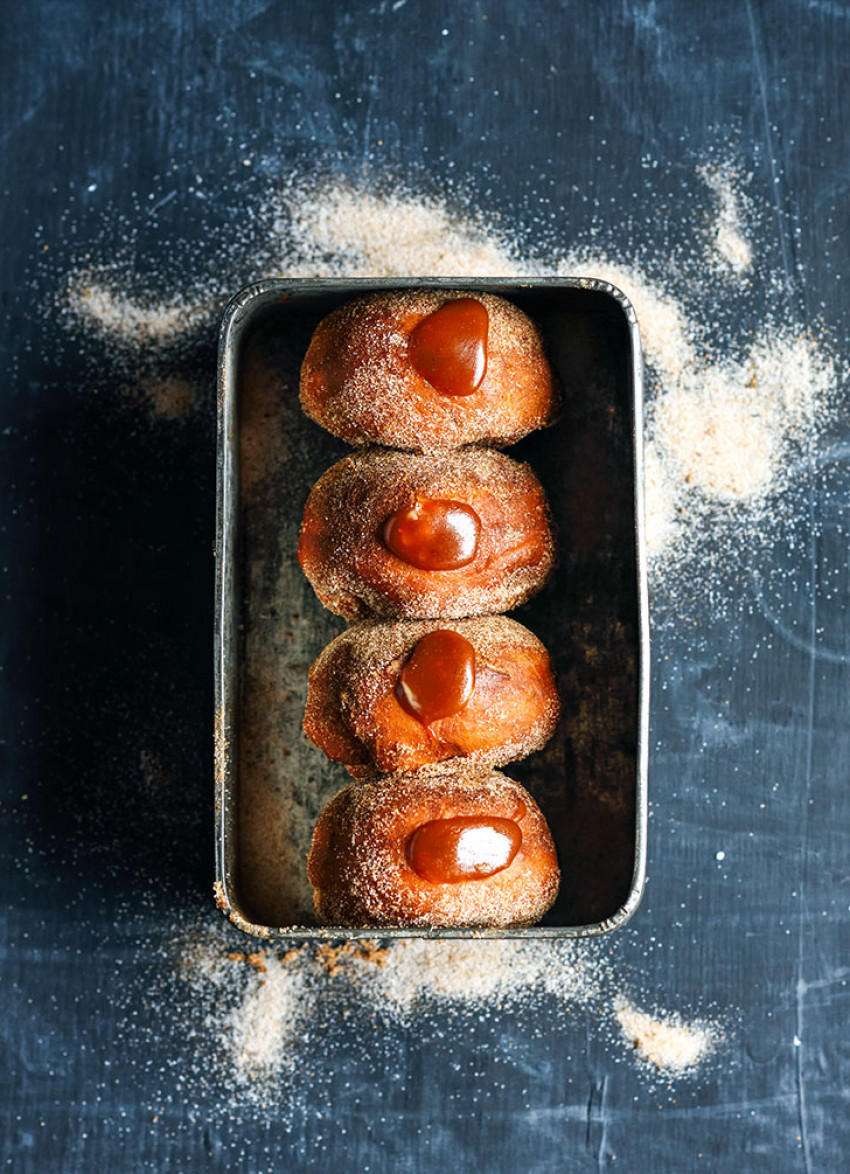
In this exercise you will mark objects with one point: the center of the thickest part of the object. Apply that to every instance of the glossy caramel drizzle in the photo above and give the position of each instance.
(449, 347)
(433, 535)
(438, 678)
(463, 848)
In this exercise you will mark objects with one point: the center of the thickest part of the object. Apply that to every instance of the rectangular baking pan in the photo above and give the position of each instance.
(593, 615)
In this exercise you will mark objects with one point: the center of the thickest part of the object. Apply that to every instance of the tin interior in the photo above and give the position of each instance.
(590, 781)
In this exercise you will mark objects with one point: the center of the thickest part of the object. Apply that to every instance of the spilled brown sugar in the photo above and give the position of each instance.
(344, 230)
(263, 1003)
(666, 1043)
(96, 300)
(259, 1001)
(728, 245)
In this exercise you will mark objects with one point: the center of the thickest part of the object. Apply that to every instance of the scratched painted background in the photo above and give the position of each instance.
(552, 115)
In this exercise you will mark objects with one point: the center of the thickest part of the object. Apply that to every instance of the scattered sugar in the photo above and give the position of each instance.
(726, 435)
(725, 425)
(257, 1006)
(262, 1028)
(345, 230)
(167, 397)
(261, 1005)
(94, 299)
(667, 336)
(419, 972)
(692, 425)
(659, 503)
(259, 1024)
(666, 1042)
(729, 248)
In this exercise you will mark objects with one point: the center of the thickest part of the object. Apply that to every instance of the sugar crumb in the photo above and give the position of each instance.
(95, 299)
(729, 248)
(666, 1042)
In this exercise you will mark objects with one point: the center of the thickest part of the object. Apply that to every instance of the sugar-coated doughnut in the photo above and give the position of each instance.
(426, 535)
(405, 695)
(465, 848)
(409, 370)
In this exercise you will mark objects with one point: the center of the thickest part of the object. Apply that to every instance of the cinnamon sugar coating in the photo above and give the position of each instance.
(358, 382)
(354, 573)
(354, 715)
(358, 859)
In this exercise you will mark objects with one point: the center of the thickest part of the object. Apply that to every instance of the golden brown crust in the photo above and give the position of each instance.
(358, 863)
(355, 717)
(358, 382)
(355, 575)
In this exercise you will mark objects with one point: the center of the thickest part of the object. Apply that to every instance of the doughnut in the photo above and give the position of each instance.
(426, 535)
(468, 847)
(405, 695)
(428, 369)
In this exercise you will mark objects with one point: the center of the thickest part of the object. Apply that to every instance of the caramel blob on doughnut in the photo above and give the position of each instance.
(464, 848)
(426, 535)
(449, 347)
(438, 678)
(479, 691)
(433, 535)
(428, 369)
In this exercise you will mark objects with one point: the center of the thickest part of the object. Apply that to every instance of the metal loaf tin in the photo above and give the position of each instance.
(593, 616)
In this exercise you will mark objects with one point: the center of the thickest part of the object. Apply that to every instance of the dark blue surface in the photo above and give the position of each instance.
(547, 115)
